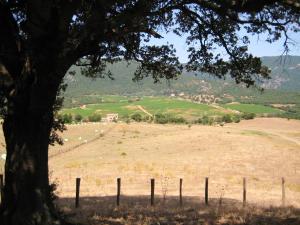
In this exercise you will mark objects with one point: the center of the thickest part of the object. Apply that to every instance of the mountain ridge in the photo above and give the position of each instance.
(285, 77)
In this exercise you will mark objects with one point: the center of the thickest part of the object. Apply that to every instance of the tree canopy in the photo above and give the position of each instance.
(101, 31)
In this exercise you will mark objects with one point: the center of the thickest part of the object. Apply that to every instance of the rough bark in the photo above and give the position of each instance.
(27, 128)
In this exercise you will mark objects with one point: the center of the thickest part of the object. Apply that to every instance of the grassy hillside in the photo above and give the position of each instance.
(285, 72)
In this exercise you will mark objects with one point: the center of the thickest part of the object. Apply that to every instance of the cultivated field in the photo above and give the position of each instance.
(126, 106)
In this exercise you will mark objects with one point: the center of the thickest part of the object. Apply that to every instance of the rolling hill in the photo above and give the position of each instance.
(283, 87)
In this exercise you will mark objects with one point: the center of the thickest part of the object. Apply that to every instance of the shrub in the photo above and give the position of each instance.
(52, 189)
(65, 118)
(205, 120)
(248, 116)
(291, 110)
(78, 118)
(198, 121)
(210, 121)
(147, 118)
(136, 117)
(94, 117)
(176, 120)
(161, 118)
(227, 118)
(236, 118)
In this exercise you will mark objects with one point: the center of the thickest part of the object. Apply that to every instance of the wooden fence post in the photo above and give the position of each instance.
(283, 191)
(206, 191)
(118, 191)
(77, 192)
(1, 187)
(152, 191)
(180, 192)
(244, 191)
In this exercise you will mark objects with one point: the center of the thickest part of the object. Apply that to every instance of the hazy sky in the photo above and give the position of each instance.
(258, 46)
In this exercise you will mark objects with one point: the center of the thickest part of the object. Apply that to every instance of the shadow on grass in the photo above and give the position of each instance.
(137, 210)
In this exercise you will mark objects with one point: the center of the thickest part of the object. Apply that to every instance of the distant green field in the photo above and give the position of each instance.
(252, 108)
(126, 106)
(175, 106)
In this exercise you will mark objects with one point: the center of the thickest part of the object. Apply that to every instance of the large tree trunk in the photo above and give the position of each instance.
(27, 128)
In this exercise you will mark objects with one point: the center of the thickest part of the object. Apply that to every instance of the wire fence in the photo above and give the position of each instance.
(247, 191)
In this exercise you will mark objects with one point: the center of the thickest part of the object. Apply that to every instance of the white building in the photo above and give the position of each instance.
(112, 117)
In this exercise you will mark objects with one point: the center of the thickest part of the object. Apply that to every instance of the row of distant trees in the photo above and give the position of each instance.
(68, 118)
(160, 118)
(205, 120)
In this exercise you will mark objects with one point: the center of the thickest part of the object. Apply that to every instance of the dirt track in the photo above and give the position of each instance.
(262, 150)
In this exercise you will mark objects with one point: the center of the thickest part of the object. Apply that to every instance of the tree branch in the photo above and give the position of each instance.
(10, 44)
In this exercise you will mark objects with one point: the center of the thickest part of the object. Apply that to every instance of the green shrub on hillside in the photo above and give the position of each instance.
(94, 117)
(161, 118)
(176, 119)
(236, 118)
(65, 118)
(205, 120)
(166, 118)
(227, 118)
(288, 115)
(136, 117)
(148, 119)
(248, 116)
(78, 118)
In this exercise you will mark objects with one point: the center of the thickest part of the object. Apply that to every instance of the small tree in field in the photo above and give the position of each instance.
(78, 118)
(41, 40)
(67, 118)
(136, 117)
(94, 117)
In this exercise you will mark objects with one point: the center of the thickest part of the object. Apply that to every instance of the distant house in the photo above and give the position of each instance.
(111, 117)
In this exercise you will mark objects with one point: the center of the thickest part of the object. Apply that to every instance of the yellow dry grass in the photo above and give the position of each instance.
(262, 150)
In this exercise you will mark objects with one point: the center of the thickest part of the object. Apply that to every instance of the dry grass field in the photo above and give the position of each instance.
(263, 150)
